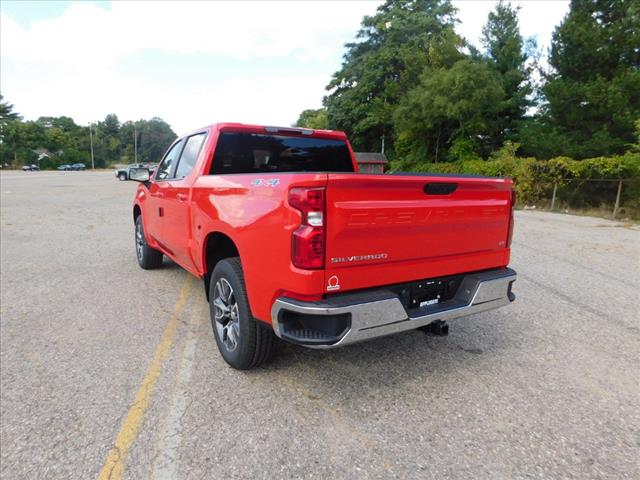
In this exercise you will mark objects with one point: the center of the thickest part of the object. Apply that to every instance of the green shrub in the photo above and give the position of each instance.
(534, 179)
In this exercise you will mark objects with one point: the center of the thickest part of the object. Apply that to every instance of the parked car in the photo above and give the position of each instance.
(290, 240)
(30, 168)
(123, 174)
(78, 166)
(64, 167)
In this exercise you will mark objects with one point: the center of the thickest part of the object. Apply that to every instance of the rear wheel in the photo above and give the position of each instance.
(148, 258)
(244, 342)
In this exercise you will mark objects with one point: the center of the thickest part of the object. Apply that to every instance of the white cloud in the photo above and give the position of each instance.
(73, 64)
(78, 64)
(91, 34)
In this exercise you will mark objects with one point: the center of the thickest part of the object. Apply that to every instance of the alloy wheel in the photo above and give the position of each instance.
(139, 240)
(227, 315)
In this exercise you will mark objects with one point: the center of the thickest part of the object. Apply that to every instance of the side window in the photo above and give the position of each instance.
(169, 160)
(190, 155)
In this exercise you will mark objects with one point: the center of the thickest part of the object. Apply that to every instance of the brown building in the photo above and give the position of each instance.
(371, 162)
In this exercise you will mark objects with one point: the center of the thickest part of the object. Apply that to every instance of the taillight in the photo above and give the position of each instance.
(307, 242)
(513, 205)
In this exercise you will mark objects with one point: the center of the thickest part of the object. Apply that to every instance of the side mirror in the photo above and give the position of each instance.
(140, 174)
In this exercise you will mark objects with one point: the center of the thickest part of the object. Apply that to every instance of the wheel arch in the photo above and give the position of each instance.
(217, 246)
(137, 211)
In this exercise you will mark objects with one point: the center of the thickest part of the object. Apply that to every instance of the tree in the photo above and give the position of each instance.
(20, 140)
(504, 47)
(155, 136)
(107, 146)
(9, 120)
(447, 115)
(310, 118)
(393, 48)
(6, 114)
(66, 142)
(593, 89)
(110, 126)
(635, 147)
(126, 135)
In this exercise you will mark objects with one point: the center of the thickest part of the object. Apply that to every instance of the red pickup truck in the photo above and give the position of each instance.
(289, 239)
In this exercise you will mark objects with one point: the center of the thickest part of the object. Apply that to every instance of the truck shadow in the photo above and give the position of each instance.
(473, 344)
(168, 264)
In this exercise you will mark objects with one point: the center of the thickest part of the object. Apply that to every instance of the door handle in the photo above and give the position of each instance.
(182, 197)
(158, 195)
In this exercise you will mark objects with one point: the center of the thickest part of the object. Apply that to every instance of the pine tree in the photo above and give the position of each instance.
(7, 115)
(504, 47)
(593, 91)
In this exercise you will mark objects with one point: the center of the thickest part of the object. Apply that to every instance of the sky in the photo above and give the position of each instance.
(195, 63)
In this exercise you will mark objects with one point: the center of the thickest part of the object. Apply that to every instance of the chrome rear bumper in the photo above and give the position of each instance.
(379, 312)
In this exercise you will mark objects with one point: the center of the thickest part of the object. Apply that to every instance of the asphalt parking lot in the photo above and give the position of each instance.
(95, 352)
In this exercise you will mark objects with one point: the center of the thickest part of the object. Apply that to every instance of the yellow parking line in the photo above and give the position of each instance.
(115, 462)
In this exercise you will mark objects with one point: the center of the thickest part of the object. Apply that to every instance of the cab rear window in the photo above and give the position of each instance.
(256, 153)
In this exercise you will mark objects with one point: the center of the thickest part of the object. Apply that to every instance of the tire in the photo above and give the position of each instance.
(148, 258)
(244, 342)
(122, 177)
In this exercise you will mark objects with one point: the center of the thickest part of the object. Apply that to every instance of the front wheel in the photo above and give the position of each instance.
(148, 258)
(122, 177)
(244, 342)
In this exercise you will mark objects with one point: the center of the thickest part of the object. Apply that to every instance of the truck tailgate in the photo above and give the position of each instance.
(386, 229)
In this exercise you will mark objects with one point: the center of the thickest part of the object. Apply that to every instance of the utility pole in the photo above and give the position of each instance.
(135, 144)
(93, 164)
